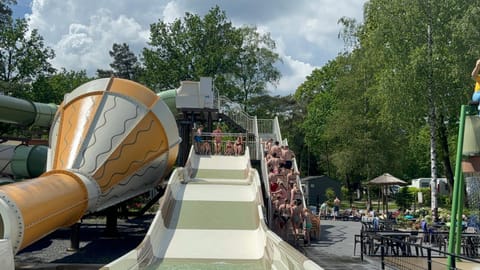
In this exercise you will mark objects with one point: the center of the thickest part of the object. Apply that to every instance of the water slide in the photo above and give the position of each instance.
(21, 161)
(212, 217)
(26, 113)
(111, 140)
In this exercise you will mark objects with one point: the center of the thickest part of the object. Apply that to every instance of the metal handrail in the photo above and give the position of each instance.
(234, 111)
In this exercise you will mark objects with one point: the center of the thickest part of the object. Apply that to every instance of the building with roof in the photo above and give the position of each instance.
(314, 188)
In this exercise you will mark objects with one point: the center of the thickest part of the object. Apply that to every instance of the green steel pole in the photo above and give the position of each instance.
(458, 233)
(456, 186)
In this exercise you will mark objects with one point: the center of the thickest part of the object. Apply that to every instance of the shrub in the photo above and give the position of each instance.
(330, 195)
(404, 198)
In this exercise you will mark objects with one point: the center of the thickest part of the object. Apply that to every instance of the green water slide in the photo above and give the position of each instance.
(26, 113)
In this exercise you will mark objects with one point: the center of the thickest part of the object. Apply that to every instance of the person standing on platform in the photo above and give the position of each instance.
(217, 135)
(323, 211)
(336, 208)
(476, 78)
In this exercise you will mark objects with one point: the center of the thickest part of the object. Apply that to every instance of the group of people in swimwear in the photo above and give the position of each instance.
(203, 145)
(289, 213)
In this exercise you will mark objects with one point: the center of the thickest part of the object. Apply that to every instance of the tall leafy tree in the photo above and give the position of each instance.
(189, 48)
(418, 42)
(255, 65)
(405, 79)
(240, 59)
(23, 55)
(125, 64)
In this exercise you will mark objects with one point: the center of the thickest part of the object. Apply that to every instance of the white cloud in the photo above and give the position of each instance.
(82, 32)
(171, 12)
(293, 76)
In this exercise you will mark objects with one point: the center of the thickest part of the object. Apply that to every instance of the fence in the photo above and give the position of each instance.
(418, 250)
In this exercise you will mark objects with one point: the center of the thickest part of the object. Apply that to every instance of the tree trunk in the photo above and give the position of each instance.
(432, 122)
(443, 137)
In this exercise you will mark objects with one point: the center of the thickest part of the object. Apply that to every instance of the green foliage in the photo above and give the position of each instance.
(330, 195)
(23, 55)
(366, 111)
(5, 10)
(254, 66)
(52, 89)
(345, 192)
(444, 201)
(427, 196)
(189, 48)
(404, 198)
(125, 64)
(240, 59)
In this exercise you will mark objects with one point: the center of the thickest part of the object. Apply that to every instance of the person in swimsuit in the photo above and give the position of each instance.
(285, 212)
(307, 226)
(274, 163)
(292, 176)
(198, 140)
(297, 217)
(281, 193)
(287, 156)
(217, 134)
(336, 208)
(229, 149)
(238, 146)
(295, 194)
(276, 149)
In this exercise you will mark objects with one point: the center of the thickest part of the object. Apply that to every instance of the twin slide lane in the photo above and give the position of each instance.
(211, 217)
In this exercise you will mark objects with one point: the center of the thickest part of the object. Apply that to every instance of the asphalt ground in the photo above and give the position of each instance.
(96, 247)
(334, 249)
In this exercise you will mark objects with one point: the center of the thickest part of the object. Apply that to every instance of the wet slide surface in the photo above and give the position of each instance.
(209, 218)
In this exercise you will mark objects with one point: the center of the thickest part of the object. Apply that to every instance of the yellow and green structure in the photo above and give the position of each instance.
(110, 140)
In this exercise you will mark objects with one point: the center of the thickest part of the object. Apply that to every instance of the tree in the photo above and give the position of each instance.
(52, 89)
(125, 64)
(5, 10)
(255, 66)
(405, 198)
(189, 48)
(423, 47)
(23, 57)
(240, 60)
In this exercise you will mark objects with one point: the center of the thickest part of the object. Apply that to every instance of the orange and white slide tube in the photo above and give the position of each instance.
(112, 139)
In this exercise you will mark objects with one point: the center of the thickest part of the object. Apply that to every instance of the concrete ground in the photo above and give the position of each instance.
(334, 249)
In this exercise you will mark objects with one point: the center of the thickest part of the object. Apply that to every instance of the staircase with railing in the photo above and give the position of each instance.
(257, 130)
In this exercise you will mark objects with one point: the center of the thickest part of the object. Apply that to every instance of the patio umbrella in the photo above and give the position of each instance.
(385, 180)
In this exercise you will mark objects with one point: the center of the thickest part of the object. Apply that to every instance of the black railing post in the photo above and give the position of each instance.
(454, 261)
(429, 259)
(382, 252)
(361, 245)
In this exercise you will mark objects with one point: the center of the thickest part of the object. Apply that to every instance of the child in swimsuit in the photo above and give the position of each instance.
(307, 226)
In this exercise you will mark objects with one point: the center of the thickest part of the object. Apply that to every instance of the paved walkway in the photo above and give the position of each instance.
(334, 249)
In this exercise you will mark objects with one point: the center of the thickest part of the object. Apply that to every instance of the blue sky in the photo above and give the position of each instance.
(82, 31)
(21, 8)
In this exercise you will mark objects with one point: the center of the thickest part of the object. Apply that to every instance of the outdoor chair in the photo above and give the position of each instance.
(358, 240)
(416, 242)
